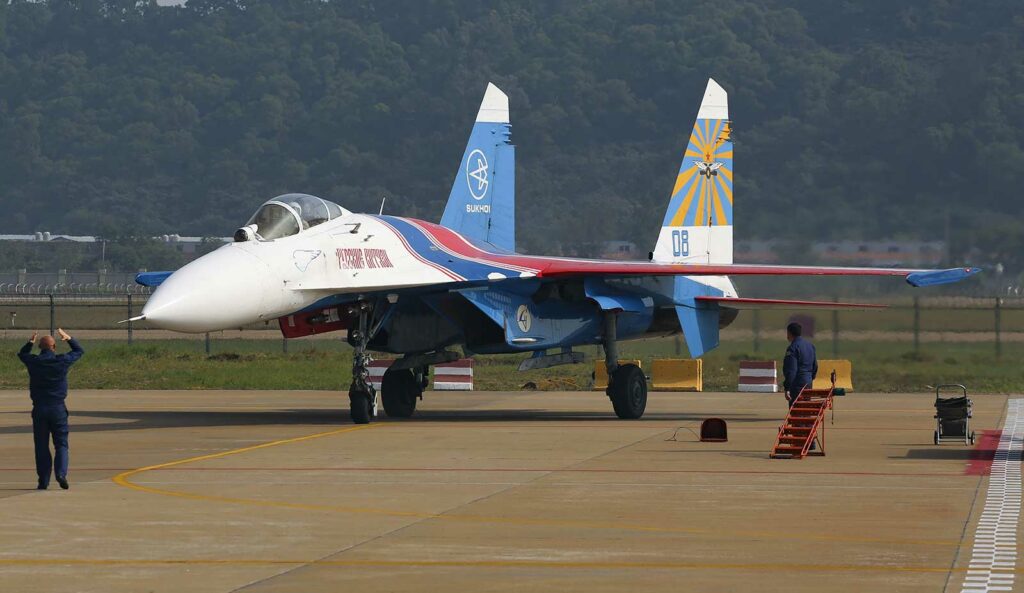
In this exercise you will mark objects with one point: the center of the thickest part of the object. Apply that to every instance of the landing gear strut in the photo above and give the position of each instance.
(627, 385)
(362, 396)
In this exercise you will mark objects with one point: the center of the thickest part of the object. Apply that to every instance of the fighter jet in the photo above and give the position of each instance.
(425, 291)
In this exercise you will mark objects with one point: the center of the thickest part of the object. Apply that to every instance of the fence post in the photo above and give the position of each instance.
(130, 315)
(917, 325)
(999, 323)
(756, 322)
(835, 331)
(207, 343)
(53, 316)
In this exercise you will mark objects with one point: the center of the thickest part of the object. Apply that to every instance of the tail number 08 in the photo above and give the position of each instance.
(680, 243)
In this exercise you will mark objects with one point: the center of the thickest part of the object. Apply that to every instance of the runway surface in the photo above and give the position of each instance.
(263, 491)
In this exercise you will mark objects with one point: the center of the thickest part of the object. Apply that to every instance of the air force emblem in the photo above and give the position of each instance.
(524, 319)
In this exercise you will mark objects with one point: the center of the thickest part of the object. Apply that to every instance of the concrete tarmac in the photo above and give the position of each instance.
(273, 491)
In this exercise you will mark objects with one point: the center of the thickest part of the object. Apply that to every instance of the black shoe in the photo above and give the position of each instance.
(63, 481)
(41, 486)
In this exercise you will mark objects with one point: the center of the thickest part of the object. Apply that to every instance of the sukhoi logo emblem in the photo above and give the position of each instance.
(476, 174)
(524, 319)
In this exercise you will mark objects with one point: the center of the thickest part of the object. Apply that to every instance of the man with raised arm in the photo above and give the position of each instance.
(48, 386)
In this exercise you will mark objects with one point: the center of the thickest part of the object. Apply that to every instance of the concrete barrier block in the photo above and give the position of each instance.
(677, 374)
(601, 373)
(844, 374)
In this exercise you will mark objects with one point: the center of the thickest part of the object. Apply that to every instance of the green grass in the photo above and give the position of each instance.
(326, 365)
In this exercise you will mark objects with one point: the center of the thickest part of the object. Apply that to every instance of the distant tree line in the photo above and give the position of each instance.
(855, 118)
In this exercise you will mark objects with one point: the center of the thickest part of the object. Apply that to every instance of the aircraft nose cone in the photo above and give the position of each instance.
(221, 290)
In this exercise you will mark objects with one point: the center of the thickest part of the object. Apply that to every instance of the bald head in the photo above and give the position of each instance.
(47, 343)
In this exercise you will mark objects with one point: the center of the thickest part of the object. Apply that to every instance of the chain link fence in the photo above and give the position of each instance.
(921, 321)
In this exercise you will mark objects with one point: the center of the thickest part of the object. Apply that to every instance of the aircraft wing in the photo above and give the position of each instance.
(914, 277)
(472, 260)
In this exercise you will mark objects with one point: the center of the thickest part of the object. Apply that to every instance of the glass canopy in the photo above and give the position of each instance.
(290, 214)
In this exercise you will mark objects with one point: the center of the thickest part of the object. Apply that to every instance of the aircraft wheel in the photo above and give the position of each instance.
(361, 406)
(399, 392)
(628, 392)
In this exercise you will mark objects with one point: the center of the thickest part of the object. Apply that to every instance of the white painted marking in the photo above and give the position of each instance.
(994, 555)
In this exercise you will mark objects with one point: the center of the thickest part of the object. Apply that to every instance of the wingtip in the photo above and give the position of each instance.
(494, 107)
(938, 277)
(715, 104)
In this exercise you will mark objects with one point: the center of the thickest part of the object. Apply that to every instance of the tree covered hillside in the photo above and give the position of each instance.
(856, 118)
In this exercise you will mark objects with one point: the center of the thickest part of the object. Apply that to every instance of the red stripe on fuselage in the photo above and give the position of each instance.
(457, 245)
(420, 258)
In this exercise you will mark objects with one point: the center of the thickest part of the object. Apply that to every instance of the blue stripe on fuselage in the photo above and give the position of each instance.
(425, 248)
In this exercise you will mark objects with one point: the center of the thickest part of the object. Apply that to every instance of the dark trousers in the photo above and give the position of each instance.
(50, 422)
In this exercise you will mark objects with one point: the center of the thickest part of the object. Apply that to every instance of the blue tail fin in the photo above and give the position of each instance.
(482, 202)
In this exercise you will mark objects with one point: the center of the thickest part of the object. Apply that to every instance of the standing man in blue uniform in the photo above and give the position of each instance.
(48, 386)
(800, 366)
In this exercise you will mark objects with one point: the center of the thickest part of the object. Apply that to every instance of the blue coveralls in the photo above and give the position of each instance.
(800, 367)
(48, 386)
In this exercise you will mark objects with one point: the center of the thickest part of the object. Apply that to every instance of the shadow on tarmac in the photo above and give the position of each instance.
(947, 452)
(156, 419)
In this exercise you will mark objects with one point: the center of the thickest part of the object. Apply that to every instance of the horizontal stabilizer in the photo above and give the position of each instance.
(745, 303)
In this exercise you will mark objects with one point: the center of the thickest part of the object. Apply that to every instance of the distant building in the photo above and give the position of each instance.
(186, 244)
(881, 253)
(620, 250)
(865, 253)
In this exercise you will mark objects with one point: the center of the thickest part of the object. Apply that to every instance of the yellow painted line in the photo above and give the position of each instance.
(123, 479)
(773, 567)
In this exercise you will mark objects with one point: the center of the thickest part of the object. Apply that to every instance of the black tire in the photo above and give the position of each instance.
(399, 391)
(972, 437)
(361, 407)
(628, 392)
(935, 439)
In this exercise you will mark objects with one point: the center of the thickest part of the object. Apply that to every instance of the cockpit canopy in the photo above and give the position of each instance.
(291, 214)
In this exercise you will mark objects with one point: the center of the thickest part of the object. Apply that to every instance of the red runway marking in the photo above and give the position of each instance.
(984, 451)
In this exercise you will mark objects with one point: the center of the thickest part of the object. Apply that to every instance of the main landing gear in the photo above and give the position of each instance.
(627, 385)
(400, 389)
(403, 382)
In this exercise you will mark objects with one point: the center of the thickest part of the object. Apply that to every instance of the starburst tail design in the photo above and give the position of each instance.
(698, 222)
(702, 194)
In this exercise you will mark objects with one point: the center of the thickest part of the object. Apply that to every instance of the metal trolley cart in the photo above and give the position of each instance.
(953, 416)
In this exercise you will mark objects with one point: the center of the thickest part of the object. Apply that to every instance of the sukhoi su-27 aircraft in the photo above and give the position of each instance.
(421, 289)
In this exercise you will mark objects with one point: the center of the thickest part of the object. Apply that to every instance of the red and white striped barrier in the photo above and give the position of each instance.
(377, 369)
(759, 376)
(454, 376)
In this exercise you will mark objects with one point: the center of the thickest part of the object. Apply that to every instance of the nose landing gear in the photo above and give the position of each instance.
(362, 396)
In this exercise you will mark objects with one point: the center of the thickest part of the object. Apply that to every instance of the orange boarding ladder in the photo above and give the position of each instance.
(804, 425)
